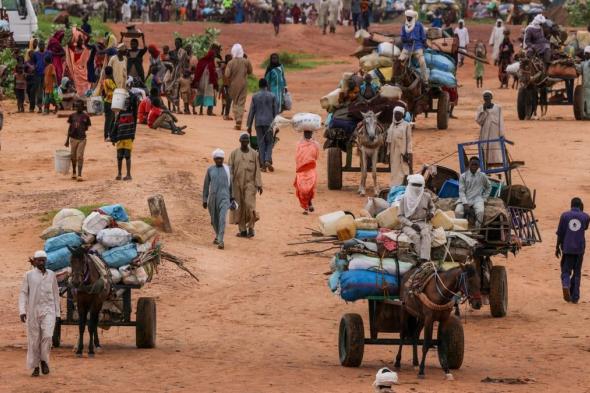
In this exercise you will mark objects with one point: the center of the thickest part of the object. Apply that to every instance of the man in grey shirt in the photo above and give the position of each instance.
(474, 190)
(264, 108)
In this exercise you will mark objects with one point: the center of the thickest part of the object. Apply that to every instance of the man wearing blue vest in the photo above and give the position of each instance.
(571, 244)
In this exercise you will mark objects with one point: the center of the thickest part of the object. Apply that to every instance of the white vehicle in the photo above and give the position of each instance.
(22, 19)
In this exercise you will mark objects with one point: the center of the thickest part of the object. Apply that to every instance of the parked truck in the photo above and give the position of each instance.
(21, 18)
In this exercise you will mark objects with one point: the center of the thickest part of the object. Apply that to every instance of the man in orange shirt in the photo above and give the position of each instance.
(49, 83)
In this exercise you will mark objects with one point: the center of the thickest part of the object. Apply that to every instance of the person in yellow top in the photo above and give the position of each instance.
(108, 87)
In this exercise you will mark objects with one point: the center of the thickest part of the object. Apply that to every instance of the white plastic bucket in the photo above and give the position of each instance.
(94, 105)
(119, 98)
(62, 161)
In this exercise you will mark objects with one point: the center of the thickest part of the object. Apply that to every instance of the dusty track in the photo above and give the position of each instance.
(260, 322)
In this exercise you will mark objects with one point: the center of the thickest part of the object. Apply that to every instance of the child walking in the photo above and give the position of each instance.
(480, 52)
(79, 123)
(49, 84)
(123, 135)
(20, 86)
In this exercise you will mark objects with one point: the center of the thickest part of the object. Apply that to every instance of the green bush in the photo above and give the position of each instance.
(8, 59)
(297, 61)
(578, 12)
(201, 43)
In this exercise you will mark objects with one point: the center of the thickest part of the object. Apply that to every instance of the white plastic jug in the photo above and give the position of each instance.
(328, 223)
(389, 218)
(62, 160)
(119, 98)
(94, 105)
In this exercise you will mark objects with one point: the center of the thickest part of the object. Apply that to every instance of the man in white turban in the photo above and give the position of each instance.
(217, 195)
(535, 41)
(399, 147)
(415, 212)
(236, 74)
(490, 119)
(496, 39)
(39, 308)
(463, 34)
(414, 41)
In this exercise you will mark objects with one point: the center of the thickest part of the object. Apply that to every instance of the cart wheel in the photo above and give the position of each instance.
(452, 342)
(145, 330)
(334, 168)
(351, 340)
(526, 103)
(579, 103)
(56, 339)
(498, 292)
(442, 111)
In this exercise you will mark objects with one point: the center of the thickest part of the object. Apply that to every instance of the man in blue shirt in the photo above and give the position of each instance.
(571, 244)
(414, 41)
(39, 59)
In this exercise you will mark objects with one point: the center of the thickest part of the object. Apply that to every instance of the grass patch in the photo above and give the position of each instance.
(252, 84)
(47, 27)
(86, 209)
(148, 220)
(298, 61)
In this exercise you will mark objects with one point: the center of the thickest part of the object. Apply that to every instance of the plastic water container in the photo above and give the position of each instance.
(389, 218)
(442, 220)
(450, 189)
(345, 228)
(460, 224)
(62, 160)
(328, 222)
(94, 105)
(119, 98)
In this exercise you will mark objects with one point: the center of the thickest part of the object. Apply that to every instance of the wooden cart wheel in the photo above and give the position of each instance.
(334, 168)
(579, 103)
(145, 330)
(498, 292)
(351, 340)
(451, 341)
(56, 339)
(442, 111)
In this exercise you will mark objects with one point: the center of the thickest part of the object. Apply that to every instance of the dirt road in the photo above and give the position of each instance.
(260, 322)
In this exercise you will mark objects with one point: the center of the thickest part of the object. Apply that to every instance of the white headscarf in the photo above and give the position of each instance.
(218, 153)
(413, 194)
(587, 49)
(409, 26)
(40, 254)
(486, 92)
(538, 20)
(398, 109)
(237, 51)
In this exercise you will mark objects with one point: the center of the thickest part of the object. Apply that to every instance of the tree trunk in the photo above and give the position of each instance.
(159, 213)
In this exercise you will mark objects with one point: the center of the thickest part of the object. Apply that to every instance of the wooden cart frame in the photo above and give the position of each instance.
(384, 317)
(144, 323)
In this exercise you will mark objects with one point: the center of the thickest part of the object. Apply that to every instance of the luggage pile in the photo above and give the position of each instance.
(130, 249)
(375, 253)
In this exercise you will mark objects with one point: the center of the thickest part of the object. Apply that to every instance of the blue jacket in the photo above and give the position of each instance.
(570, 232)
(414, 40)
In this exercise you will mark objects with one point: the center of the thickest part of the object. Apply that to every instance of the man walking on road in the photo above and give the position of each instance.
(264, 108)
(217, 195)
(246, 181)
(39, 308)
(571, 244)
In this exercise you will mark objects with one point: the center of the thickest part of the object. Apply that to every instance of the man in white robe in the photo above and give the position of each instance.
(491, 121)
(463, 35)
(496, 39)
(39, 307)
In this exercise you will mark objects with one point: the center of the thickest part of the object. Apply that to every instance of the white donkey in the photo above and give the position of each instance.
(370, 138)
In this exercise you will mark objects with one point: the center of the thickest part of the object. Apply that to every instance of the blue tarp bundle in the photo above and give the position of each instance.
(58, 259)
(395, 194)
(439, 61)
(120, 256)
(62, 241)
(358, 284)
(364, 234)
(116, 211)
(442, 78)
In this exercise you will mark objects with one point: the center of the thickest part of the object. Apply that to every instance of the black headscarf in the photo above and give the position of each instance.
(272, 65)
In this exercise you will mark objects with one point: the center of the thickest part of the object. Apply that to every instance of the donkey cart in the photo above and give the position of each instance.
(384, 317)
(116, 313)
